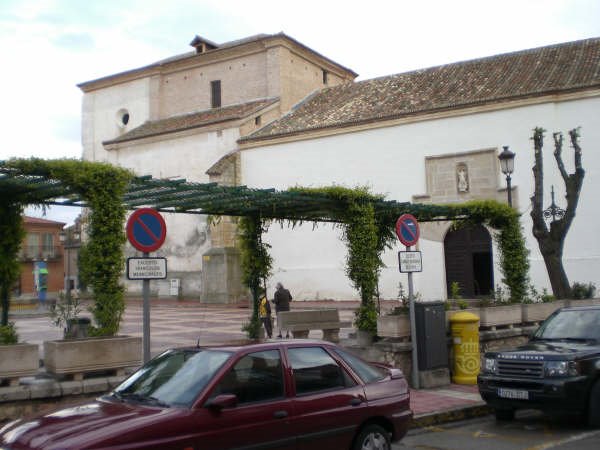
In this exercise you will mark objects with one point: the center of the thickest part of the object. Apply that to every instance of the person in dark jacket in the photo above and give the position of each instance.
(282, 303)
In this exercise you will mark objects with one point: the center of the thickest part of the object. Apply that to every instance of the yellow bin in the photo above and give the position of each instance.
(465, 342)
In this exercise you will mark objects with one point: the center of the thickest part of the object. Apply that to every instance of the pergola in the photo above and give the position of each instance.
(181, 196)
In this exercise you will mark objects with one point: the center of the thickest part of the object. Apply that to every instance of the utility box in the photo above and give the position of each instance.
(174, 286)
(432, 346)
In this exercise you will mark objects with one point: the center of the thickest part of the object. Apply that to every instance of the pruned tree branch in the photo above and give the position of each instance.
(558, 142)
(540, 230)
(573, 183)
(574, 134)
(551, 242)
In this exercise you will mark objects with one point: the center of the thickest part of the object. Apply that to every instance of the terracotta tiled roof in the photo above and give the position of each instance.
(219, 48)
(193, 120)
(559, 68)
(40, 221)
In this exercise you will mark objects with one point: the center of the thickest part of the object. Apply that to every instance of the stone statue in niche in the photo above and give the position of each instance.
(462, 178)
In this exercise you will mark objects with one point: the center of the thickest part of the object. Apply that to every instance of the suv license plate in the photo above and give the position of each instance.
(516, 394)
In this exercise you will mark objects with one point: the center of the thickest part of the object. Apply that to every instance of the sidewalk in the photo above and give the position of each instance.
(181, 323)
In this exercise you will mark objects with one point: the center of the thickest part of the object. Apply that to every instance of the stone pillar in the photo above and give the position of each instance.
(222, 276)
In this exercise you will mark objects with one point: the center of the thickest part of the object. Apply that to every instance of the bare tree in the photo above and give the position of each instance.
(551, 241)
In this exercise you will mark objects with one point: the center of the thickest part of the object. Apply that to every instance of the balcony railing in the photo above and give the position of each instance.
(40, 253)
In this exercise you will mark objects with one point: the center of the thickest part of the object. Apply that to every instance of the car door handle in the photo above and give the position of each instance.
(355, 401)
(280, 414)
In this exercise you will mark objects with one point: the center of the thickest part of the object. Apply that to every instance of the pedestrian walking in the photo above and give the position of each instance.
(264, 311)
(282, 303)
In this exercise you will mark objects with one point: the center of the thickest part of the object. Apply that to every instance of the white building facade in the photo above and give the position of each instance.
(442, 153)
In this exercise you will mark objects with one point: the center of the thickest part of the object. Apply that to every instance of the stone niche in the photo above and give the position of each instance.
(460, 177)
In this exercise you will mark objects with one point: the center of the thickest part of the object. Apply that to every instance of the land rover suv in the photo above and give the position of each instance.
(558, 370)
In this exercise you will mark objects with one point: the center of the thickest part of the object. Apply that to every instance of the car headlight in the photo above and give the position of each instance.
(560, 368)
(490, 365)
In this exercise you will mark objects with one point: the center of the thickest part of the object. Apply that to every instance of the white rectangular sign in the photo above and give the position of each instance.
(410, 261)
(146, 268)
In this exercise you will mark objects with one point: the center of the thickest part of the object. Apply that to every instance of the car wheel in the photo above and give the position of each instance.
(505, 414)
(594, 406)
(372, 437)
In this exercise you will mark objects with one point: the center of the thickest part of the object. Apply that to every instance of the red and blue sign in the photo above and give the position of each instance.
(407, 229)
(146, 230)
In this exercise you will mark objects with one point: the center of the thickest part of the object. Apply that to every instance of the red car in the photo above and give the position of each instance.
(290, 394)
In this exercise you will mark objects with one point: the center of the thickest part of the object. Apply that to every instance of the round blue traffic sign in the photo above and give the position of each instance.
(146, 230)
(407, 229)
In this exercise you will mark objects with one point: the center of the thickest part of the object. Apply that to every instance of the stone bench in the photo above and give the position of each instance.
(300, 322)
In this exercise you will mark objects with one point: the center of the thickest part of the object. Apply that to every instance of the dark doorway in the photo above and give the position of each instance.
(468, 256)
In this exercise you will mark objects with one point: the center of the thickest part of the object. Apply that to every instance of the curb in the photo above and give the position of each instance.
(450, 415)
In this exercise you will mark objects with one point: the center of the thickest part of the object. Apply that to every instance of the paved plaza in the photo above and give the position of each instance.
(172, 323)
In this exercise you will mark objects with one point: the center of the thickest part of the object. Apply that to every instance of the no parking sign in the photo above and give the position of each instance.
(146, 230)
(407, 229)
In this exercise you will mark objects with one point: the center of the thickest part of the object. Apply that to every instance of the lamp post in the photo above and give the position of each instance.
(507, 165)
(70, 239)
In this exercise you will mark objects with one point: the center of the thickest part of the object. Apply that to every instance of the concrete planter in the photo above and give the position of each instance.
(18, 360)
(493, 316)
(364, 338)
(537, 312)
(394, 326)
(78, 356)
(583, 302)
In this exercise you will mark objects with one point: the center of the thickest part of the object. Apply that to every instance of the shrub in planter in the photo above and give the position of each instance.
(8, 334)
(65, 314)
(581, 291)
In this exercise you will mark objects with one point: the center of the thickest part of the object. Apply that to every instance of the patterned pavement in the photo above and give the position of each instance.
(172, 323)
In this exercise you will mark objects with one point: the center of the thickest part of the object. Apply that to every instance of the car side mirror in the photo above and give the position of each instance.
(396, 374)
(222, 401)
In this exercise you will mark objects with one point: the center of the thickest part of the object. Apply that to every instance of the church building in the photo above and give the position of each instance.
(281, 115)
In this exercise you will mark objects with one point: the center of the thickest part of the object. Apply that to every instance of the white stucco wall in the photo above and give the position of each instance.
(187, 156)
(391, 161)
(100, 120)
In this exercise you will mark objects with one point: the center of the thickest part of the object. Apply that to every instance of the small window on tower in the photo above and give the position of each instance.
(123, 118)
(324, 76)
(215, 94)
(257, 120)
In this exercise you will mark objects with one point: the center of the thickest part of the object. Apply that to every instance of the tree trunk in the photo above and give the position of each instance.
(556, 272)
(5, 305)
(551, 241)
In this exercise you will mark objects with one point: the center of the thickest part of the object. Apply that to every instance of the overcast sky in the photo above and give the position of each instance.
(48, 46)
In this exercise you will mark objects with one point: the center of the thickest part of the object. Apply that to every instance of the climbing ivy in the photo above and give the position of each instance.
(366, 237)
(101, 261)
(513, 253)
(11, 236)
(256, 264)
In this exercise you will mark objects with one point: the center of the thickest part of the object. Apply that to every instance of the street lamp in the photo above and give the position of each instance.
(507, 165)
(70, 239)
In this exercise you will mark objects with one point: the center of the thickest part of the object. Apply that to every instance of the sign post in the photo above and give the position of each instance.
(146, 231)
(407, 229)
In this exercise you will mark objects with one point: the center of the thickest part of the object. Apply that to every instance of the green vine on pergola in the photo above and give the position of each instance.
(368, 234)
(101, 260)
(367, 222)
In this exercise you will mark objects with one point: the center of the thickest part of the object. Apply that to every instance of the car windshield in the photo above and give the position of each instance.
(174, 378)
(575, 324)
